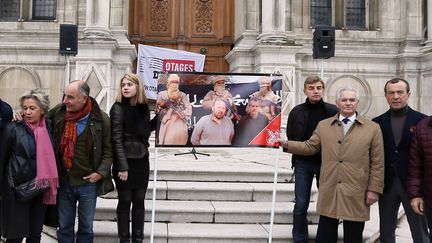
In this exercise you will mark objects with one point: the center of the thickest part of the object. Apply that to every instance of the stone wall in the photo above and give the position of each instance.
(393, 45)
(29, 51)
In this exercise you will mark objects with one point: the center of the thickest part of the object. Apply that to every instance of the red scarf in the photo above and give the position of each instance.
(69, 137)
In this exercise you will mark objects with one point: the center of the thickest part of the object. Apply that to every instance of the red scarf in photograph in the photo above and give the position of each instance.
(69, 137)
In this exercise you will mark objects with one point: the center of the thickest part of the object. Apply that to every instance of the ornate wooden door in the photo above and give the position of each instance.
(201, 26)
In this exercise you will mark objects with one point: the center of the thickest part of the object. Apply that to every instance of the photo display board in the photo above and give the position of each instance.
(218, 110)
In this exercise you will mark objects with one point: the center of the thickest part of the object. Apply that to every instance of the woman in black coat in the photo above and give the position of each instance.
(28, 155)
(131, 128)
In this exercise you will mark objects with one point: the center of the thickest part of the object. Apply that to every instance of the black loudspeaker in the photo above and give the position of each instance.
(323, 42)
(68, 39)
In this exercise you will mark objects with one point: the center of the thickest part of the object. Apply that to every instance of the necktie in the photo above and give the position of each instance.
(345, 120)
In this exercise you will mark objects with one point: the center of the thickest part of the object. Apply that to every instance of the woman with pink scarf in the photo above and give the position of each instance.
(27, 155)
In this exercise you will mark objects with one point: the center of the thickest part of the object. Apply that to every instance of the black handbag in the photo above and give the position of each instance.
(25, 191)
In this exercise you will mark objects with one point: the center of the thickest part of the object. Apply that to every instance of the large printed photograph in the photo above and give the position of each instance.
(229, 110)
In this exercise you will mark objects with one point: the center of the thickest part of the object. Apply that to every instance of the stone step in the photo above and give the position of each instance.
(219, 171)
(106, 232)
(223, 164)
(209, 211)
(221, 191)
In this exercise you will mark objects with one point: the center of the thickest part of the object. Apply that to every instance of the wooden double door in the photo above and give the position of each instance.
(201, 26)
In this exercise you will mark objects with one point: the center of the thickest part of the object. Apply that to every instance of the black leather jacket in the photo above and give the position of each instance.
(19, 153)
(126, 145)
(298, 120)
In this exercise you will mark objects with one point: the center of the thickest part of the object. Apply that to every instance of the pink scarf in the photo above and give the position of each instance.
(46, 167)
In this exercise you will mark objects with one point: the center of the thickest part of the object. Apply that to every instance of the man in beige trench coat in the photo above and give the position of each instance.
(352, 169)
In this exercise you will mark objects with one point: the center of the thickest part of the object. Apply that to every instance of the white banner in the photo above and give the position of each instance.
(152, 60)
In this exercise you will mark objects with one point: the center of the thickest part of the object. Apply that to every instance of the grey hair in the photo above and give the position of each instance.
(38, 95)
(348, 88)
(83, 88)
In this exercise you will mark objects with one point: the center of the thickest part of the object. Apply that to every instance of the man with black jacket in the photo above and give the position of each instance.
(5, 117)
(302, 121)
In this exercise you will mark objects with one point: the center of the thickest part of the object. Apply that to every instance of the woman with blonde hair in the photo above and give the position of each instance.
(131, 127)
(27, 161)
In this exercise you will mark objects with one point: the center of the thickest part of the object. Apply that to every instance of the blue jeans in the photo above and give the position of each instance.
(68, 196)
(304, 172)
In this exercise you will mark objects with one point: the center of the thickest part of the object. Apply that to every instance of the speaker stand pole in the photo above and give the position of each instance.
(322, 69)
(67, 76)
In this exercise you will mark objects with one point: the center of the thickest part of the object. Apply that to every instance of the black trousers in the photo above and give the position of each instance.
(328, 230)
(36, 218)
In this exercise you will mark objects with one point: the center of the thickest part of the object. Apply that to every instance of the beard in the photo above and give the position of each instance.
(264, 90)
(173, 92)
(219, 89)
(219, 115)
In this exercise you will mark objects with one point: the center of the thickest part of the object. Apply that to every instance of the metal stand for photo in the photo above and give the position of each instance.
(193, 152)
(154, 195)
(275, 181)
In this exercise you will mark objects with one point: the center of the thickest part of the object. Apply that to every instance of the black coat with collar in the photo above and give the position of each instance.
(121, 134)
(298, 119)
(397, 156)
(20, 150)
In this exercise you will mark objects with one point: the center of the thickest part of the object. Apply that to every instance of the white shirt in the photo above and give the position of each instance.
(347, 126)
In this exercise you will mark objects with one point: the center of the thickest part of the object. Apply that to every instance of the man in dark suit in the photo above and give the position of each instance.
(398, 125)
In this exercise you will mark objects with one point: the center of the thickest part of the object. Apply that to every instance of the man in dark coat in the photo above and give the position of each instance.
(249, 125)
(397, 126)
(302, 121)
(5, 115)
(82, 135)
(419, 183)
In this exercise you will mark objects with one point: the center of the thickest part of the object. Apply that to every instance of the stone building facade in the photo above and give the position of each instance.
(29, 47)
(376, 40)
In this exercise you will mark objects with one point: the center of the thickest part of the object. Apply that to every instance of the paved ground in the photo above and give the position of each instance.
(403, 233)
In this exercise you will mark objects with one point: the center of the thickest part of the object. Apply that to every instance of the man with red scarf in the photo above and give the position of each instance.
(84, 157)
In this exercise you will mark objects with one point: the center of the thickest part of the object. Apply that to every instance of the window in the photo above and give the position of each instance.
(21, 10)
(345, 14)
(355, 13)
(9, 9)
(44, 9)
(321, 12)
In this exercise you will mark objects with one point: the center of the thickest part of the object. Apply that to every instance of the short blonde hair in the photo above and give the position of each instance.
(41, 99)
(140, 97)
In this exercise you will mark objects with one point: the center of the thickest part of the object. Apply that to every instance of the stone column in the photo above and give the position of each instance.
(429, 22)
(267, 13)
(273, 22)
(97, 19)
